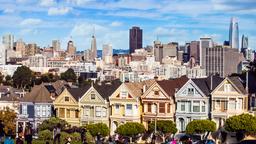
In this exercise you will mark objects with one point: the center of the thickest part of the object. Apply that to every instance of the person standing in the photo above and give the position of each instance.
(56, 134)
(28, 133)
(83, 131)
(1, 131)
(19, 140)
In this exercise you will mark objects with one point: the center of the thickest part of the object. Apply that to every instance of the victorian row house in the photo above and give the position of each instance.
(114, 103)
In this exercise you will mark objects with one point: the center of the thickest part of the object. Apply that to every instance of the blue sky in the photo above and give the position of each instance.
(41, 21)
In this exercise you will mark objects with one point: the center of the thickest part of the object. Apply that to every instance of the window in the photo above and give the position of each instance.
(98, 111)
(168, 108)
(24, 109)
(203, 106)
(62, 112)
(92, 96)
(128, 109)
(232, 104)
(86, 111)
(67, 113)
(162, 108)
(227, 87)
(76, 113)
(104, 112)
(196, 106)
(124, 94)
(154, 109)
(149, 107)
(239, 104)
(189, 106)
(182, 106)
(37, 110)
(117, 108)
(191, 91)
(217, 104)
(66, 99)
(44, 110)
(156, 92)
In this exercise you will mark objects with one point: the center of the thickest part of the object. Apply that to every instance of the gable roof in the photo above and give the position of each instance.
(236, 81)
(137, 87)
(38, 94)
(78, 92)
(9, 93)
(106, 89)
(205, 84)
(169, 86)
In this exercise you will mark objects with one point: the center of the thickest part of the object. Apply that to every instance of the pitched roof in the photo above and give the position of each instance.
(236, 81)
(38, 94)
(78, 92)
(207, 85)
(59, 86)
(9, 93)
(169, 86)
(137, 87)
(105, 89)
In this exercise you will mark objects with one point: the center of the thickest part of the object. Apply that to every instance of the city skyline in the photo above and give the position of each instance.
(177, 21)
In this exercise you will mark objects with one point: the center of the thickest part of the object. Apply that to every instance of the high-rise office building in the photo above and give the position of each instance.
(205, 42)
(56, 45)
(222, 60)
(136, 38)
(234, 33)
(93, 48)
(71, 49)
(107, 53)
(244, 45)
(8, 41)
(20, 47)
(195, 50)
(165, 50)
(2, 54)
(31, 49)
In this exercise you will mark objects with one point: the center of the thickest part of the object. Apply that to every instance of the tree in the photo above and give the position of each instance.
(243, 122)
(164, 127)
(51, 123)
(101, 128)
(130, 129)
(1, 78)
(68, 75)
(82, 82)
(8, 118)
(201, 127)
(8, 80)
(22, 77)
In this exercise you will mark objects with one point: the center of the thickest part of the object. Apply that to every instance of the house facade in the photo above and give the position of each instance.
(229, 98)
(94, 104)
(66, 105)
(158, 100)
(192, 103)
(125, 104)
(35, 107)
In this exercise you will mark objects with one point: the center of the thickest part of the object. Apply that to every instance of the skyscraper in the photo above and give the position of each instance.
(20, 47)
(8, 41)
(2, 54)
(244, 45)
(56, 45)
(107, 53)
(93, 48)
(234, 33)
(205, 42)
(195, 50)
(71, 49)
(135, 39)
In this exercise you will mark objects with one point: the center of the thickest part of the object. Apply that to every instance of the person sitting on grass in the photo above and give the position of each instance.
(8, 139)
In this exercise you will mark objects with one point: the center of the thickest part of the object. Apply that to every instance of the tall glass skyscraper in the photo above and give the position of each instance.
(234, 33)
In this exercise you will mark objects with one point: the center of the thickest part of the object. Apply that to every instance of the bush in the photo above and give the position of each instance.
(45, 135)
(130, 129)
(101, 128)
(76, 136)
(200, 126)
(51, 123)
(163, 126)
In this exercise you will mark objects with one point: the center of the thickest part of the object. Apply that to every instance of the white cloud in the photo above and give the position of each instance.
(59, 11)
(78, 2)
(116, 24)
(47, 3)
(31, 22)
(29, 31)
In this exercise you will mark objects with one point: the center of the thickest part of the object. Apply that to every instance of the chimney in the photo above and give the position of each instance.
(144, 88)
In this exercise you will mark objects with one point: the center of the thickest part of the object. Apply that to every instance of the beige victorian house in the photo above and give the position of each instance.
(229, 98)
(158, 100)
(94, 104)
(125, 103)
(66, 105)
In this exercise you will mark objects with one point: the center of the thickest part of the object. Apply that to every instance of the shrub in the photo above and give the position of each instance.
(45, 135)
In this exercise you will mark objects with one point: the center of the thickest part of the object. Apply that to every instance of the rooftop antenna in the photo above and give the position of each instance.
(93, 32)
(157, 37)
